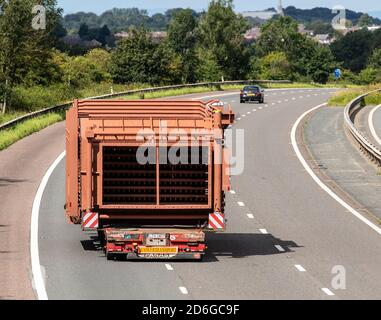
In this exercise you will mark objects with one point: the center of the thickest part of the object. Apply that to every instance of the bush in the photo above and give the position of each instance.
(369, 75)
(275, 66)
(34, 98)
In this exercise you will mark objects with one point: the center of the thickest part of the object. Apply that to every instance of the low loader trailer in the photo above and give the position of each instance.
(149, 176)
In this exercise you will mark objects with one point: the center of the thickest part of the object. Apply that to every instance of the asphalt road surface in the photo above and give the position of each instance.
(285, 237)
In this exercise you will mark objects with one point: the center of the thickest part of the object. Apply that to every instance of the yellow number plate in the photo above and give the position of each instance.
(163, 250)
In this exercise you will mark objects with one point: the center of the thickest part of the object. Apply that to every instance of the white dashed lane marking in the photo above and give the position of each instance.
(263, 231)
(241, 204)
(183, 290)
(327, 291)
(232, 191)
(250, 216)
(169, 267)
(300, 268)
(279, 248)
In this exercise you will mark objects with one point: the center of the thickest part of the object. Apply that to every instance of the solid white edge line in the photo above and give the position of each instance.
(327, 291)
(38, 279)
(371, 125)
(318, 181)
(183, 290)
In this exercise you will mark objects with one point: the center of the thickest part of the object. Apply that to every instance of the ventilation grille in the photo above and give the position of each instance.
(187, 181)
(183, 176)
(125, 181)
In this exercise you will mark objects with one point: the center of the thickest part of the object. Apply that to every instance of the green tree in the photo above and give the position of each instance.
(354, 49)
(369, 75)
(365, 20)
(221, 32)
(24, 51)
(280, 35)
(84, 31)
(137, 59)
(208, 69)
(320, 64)
(375, 59)
(275, 66)
(306, 57)
(182, 38)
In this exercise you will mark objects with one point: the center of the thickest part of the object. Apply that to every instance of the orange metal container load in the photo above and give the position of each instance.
(181, 184)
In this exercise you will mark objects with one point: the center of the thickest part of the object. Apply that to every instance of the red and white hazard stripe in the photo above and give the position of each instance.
(90, 220)
(216, 221)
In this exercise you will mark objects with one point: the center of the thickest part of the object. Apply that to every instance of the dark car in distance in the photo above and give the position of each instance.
(252, 93)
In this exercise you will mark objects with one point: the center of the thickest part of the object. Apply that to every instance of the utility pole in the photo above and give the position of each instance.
(280, 8)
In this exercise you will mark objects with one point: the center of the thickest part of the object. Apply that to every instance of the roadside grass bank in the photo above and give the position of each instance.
(342, 98)
(26, 128)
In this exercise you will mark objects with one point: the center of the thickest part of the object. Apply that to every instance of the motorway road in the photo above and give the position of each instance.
(284, 234)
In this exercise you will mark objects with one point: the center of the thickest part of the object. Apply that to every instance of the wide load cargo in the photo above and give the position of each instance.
(148, 175)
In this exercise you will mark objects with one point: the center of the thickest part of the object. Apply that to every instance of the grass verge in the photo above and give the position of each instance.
(342, 98)
(26, 128)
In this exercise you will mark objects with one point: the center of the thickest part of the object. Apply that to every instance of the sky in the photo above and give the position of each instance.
(99, 6)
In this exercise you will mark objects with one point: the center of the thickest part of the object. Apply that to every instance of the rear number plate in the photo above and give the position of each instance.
(160, 250)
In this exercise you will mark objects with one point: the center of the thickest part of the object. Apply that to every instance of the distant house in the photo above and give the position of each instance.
(252, 35)
(302, 30)
(156, 36)
(373, 28)
(323, 39)
(75, 40)
(121, 35)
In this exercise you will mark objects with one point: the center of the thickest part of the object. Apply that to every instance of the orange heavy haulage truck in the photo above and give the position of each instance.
(149, 176)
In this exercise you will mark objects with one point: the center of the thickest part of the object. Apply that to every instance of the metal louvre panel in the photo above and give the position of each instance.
(184, 183)
(125, 181)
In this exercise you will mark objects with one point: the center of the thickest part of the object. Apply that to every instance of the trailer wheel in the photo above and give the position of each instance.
(110, 256)
(101, 238)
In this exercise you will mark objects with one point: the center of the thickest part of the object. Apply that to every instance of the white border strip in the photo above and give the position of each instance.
(371, 125)
(318, 181)
(38, 278)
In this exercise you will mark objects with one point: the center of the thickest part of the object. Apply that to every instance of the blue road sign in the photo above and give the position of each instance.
(337, 74)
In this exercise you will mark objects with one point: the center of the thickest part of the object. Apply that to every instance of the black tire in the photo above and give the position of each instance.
(243, 101)
(262, 100)
(110, 256)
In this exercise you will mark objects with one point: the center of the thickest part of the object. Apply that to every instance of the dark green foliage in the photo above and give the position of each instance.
(138, 59)
(354, 49)
(306, 57)
(221, 35)
(121, 19)
(322, 14)
(182, 39)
